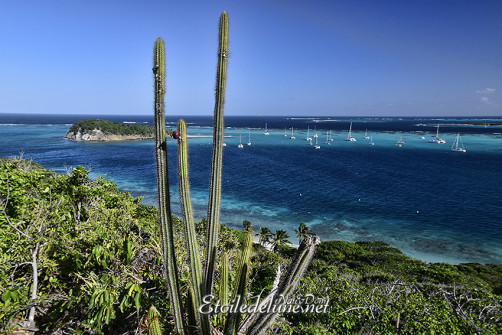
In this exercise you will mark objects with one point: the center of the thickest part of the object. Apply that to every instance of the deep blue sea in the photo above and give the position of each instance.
(433, 203)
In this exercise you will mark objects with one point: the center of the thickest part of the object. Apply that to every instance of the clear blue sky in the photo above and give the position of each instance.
(287, 57)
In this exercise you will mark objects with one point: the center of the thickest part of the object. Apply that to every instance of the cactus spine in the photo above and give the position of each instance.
(165, 222)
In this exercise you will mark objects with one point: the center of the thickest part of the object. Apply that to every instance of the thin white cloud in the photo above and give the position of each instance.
(486, 100)
(486, 91)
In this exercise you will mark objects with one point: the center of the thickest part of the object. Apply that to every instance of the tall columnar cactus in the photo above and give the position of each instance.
(213, 212)
(192, 246)
(201, 283)
(165, 217)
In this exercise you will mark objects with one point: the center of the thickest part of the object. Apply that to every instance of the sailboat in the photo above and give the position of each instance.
(317, 146)
(240, 146)
(266, 132)
(308, 138)
(330, 137)
(285, 133)
(366, 135)
(458, 145)
(249, 138)
(437, 139)
(349, 137)
(371, 140)
(292, 136)
(315, 131)
(327, 138)
(400, 141)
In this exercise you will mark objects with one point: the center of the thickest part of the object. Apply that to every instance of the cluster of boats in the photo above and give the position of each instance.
(456, 146)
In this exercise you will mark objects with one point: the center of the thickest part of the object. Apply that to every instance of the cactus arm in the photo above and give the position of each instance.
(165, 219)
(193, 313)
(232, 325)
(246, 252)
(224, 287)
(189, 226)
(153, 322)
(233, 320)
(213, 212)
(295, 272)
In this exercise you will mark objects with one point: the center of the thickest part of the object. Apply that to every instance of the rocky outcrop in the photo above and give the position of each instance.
(97, 135)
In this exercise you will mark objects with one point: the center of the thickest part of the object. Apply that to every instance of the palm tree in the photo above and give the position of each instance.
(248, 226)
(279, 238)
(302, 232)
(265, 235)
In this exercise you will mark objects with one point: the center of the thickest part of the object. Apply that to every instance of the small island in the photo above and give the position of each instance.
(103, 131)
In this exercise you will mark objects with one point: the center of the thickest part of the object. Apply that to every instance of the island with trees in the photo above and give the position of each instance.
(103, 130)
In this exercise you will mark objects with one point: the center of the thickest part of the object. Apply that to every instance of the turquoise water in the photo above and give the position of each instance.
(432, 203)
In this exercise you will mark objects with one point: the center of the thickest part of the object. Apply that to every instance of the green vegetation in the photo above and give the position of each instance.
(111, 128)
(72, 244)
(99, 269)
(375, 289)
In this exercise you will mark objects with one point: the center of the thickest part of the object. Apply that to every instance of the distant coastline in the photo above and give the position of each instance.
(97, 130)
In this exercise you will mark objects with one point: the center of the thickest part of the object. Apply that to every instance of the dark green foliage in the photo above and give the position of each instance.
(111, 128)
(279, 239)
(247, 226)
(101, 265)
(370, 284)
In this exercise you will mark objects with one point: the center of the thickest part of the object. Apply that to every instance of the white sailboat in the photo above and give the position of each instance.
(285, 133)
(308, 138)
(317, 146)
(330, 137)
(240, 146)
(266, 132)
(292, 136)
(371, 140)
(327, 138)
(437, 139)
(315, 131)
(400, 141)
(349, 137)
(458, 145)
(366, 135)
(249, 138)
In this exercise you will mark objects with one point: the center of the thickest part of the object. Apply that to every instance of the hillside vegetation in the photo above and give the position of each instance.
(93, 255)
(111, 128)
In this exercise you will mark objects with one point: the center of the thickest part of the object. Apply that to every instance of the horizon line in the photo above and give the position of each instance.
(272, 115)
